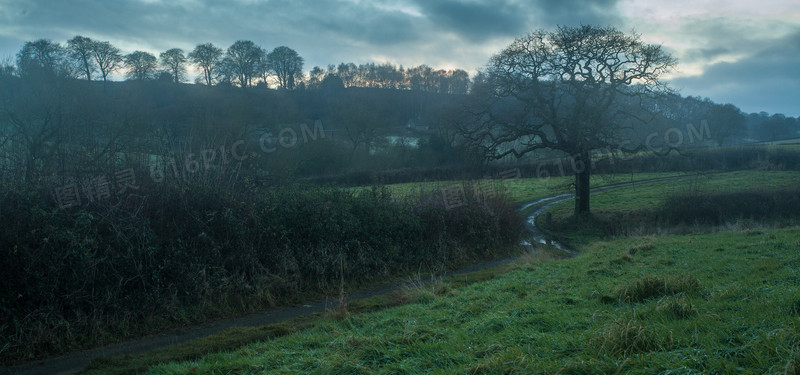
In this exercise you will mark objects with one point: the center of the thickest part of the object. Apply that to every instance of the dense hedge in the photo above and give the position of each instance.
(720, 208)
(692, 160)
(170, 254)
(693, 211)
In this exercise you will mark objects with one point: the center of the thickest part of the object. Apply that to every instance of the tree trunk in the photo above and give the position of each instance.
(582, 165)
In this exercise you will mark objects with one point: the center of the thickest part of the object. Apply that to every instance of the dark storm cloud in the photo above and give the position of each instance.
(477, 21)
(574, 12)
(766, 80)
(454, 33)
(483, 20)
(129, 22)
(159, 23)
(708, 39)
(362, 23)
(329, 27)
(322, 32)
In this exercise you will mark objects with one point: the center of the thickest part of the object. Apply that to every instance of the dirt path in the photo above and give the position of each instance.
(78, 360)
(543, 204)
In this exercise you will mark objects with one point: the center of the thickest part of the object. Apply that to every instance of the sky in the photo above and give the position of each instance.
(736, 51)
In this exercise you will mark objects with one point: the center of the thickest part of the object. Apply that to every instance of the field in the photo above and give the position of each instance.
(724, 301)
(521, 190)
(636, 210)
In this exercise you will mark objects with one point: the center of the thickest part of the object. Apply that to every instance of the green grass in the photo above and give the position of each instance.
(237, 337)
(523, 189)
(722, 302)
(700, 303)
(652, 194)
(608, 205)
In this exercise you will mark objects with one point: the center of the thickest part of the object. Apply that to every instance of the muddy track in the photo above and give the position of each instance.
(78, 360)
(543, 204)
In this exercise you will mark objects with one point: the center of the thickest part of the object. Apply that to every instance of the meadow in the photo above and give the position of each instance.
(712, 299)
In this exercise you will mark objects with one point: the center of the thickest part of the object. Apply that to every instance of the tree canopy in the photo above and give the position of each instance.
(574, 89)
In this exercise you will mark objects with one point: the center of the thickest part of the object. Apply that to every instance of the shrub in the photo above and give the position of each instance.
(182, 253)
(719, 208)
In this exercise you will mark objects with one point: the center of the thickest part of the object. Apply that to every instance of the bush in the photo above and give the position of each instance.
(719, 208)
(183, 253)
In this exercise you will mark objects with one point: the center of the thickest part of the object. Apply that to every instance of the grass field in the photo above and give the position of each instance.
(608, 206)
(652, 194)
(524, 189)
(725, 302)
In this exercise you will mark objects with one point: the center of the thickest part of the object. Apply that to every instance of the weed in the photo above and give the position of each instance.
(678, 306)
(792, 366)
(622, 260)
(625, 337)
(658, 286)
(632, 250)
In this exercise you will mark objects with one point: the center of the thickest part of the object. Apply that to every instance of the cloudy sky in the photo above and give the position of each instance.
(739, 51)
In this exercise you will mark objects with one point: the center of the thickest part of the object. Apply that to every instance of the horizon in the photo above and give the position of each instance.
(733, 52)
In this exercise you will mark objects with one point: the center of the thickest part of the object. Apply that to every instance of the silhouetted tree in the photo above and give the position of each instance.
(776, 127)
(423, 78)
(725, 121)
(7, 68)
(36, 112)
(315, 77)
(174, 61)
(81, 50)
(141, 65)
(43, 57)
(242, 62)
(107, 57)
(207, 57)
(459, 82)
(331, 84)
(347, 73)
(287, 66)
(573, 89)
(264, 67)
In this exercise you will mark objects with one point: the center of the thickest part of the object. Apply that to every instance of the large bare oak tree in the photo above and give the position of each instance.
(574, 89)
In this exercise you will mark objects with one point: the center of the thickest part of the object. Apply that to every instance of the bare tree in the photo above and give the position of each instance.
(141, 65)
(107, 57)
(315, 77)
(242, 62)
(347, 72)
(573, 89)
(421, 78)
(174, 61)
(81, 50)
(7, 68)
(207, 57)
(265, 68)
(458, 81)
(287, 66)
(36, 114)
